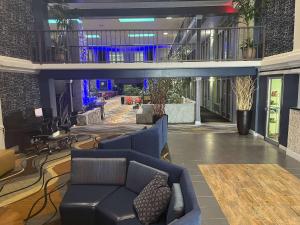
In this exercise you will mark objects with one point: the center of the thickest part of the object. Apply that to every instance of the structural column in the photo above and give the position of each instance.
(198, 101)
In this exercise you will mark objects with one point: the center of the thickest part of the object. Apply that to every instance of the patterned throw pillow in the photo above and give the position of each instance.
(153, 200)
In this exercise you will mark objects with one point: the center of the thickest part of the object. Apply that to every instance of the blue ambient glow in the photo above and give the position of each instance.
(109, 86)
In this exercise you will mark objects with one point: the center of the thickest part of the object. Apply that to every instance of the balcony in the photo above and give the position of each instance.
(147, 46)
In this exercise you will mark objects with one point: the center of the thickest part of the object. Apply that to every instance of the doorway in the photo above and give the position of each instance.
(273, 109)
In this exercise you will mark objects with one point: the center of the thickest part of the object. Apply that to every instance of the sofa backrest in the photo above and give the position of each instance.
(139, 175)
(111, 171)
(147, 141)
(123, 141)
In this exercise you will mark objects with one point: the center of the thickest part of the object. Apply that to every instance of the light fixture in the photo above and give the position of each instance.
(55, 21)
(141, 35)
(92, 36)
(165, 33)
(136, 20)
(169, 18)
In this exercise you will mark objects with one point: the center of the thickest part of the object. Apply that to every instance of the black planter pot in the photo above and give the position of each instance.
(243, 121)
(122, 100)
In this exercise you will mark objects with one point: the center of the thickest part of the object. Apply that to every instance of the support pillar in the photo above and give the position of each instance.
(48, 95)
(198, 101)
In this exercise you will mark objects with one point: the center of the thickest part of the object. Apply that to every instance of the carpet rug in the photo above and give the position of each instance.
(255, 194)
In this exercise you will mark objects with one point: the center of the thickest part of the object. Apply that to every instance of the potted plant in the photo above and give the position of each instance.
(159, 89)
(248, 49)
(247, 11)
(61, 13)
(244, 88)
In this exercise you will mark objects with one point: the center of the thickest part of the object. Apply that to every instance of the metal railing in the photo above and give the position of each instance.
(146, 46)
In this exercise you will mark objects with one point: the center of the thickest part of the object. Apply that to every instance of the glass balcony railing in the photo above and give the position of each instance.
(147, 46)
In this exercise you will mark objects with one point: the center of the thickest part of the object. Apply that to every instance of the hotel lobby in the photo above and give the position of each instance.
(125, 112)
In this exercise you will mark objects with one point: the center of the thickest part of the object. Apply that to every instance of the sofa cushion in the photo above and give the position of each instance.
(152, 202)
(79, 202)
(139, 175)
(116, 207)
(176, 206)
(108, 171)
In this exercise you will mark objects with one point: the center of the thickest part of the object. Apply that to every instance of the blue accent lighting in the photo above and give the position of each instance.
(109, 85)
(98, 85)
(145, 84)
(136, 20)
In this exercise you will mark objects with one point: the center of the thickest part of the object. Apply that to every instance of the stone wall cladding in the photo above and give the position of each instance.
(18, 92)
(16, 20)
(278, 17)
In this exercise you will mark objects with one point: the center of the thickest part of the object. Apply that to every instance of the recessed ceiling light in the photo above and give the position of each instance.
(166, 33)
(54, 21)
(93, 36)
(169, 18)
(136, 20)
(141, 35)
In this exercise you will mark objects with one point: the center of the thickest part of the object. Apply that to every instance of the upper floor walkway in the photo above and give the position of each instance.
(147, 46)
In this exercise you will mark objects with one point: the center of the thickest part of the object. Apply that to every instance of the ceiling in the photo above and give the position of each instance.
(105, 8)
(114, 24)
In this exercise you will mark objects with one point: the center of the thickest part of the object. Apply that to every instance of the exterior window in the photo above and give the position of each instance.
(139, 56)
(115, 57)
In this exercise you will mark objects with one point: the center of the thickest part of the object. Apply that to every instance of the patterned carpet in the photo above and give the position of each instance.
(32, 193)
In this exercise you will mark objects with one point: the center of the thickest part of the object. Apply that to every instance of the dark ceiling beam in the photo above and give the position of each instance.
(184, 11)
(146, 73)
(106, 8)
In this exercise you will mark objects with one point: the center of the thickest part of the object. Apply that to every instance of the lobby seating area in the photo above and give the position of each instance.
(149, 141)
(105, 184)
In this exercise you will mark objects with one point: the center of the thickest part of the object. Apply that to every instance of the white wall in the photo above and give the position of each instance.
(299, 93)
(2, 144)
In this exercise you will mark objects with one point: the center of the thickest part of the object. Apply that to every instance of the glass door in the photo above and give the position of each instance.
(274, 109)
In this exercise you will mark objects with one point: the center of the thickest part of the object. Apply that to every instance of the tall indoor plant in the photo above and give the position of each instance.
(247, 11)
(60, 12)
(244, 88)
(159, 89)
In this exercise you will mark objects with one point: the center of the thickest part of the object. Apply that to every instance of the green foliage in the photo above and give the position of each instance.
(129, 90)
(61, 13)
(176, 92)
(248, 10)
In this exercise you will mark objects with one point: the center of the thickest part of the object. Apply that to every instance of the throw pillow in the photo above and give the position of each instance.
(153, 200)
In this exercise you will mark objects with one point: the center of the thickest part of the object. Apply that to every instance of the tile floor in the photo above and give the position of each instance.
(191, 149)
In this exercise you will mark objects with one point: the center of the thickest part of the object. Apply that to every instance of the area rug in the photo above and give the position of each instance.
(255, 194)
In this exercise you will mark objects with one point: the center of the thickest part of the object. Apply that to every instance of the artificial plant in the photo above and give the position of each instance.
(247, 11)
(244, 89)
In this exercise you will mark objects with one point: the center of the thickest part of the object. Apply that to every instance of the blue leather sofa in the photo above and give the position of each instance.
(87, 202)
(149, 141)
